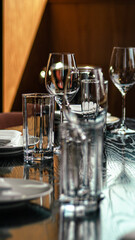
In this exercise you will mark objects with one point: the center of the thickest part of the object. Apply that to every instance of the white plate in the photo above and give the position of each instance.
(13, 136)
(15, 144)
(19, 190)
(112, 120)
(11, 150)
(17, 148)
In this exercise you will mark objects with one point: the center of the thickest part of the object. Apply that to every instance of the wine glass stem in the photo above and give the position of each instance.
(123, 110)
(61, 115)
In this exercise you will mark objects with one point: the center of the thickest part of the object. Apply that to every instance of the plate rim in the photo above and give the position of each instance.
(24, 197)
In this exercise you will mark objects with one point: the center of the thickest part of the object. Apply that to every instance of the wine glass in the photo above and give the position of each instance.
(122, 74)
(59, 68)
(90, 102)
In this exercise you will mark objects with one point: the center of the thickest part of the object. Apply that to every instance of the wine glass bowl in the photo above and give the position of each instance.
(122, 74)
(90, 102)
(59, 68)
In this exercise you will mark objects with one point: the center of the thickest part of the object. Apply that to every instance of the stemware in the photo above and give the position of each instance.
(59, 68)
(122, 74)
(90, 102)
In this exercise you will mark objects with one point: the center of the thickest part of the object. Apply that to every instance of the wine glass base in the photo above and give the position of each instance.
(123, 130)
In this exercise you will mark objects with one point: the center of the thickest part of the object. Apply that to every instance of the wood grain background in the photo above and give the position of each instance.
(90, 29)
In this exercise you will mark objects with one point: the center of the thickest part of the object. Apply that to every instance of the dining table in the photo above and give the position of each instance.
(43, 218)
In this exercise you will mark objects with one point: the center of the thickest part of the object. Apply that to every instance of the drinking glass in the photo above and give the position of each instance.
(87, 111)
(81, 168)
(90, 103)
(59, 68)
(38, 126)
(122, 74)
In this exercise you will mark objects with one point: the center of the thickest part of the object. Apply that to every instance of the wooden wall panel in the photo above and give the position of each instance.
(90, 29)
(20, 23)
(30, 81)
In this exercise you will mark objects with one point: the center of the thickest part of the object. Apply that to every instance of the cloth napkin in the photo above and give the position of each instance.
(13, 136)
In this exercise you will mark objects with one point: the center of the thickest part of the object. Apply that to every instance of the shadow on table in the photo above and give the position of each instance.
(11, 160)
(20, 214)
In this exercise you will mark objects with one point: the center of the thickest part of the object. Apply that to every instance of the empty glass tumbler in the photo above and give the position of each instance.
(38, 126)
(81, 167)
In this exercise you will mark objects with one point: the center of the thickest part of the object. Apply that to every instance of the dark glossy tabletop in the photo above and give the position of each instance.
(42, 219)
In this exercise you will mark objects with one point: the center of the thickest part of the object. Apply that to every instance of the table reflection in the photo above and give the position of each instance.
(73, 228)
(116, 215)
(120, 156)
(117, 208)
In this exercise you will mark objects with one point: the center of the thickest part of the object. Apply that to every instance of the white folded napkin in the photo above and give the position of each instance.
(13, 136)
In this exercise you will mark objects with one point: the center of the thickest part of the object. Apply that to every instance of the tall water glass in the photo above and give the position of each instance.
(38, 126)
(81, 168)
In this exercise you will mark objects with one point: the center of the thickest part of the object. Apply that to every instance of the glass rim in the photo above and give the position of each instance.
(35, 95)
(88, 67)
(61, 53)
(123, 47)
